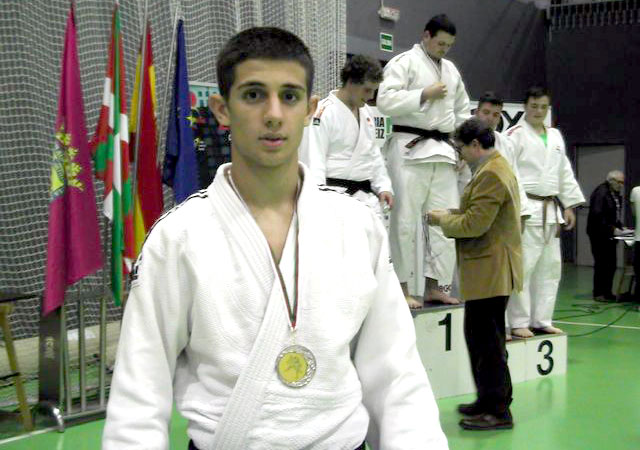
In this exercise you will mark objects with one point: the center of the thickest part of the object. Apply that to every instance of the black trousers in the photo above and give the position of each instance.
(485, 336)
(604, 264)
(192, 446)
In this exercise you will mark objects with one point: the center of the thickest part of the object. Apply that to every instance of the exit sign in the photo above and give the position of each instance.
(386, 42)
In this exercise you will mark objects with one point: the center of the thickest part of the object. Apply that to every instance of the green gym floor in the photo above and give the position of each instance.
(595, 406)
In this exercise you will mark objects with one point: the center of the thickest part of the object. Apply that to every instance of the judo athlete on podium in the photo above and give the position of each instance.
(487, 233)
(266, 309)
(489, 111)
(424, 94)
(548, 179)
(339, 146)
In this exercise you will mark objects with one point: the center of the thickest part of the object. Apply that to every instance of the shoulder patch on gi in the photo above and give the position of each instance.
(133, 276)
(318, 114)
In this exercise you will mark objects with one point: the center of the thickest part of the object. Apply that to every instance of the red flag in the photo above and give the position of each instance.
(147, 201)
(73, 247)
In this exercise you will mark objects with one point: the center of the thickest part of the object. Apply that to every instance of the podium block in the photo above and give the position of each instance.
(440, 342)
(443, 350)
(546, 355)
(517, 360)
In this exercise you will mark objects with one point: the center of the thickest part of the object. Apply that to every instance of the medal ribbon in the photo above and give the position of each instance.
(292, 309)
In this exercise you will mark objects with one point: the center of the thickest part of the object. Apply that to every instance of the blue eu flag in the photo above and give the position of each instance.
(180, 168)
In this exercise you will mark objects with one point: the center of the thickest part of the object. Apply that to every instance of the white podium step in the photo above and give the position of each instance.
(441, 344)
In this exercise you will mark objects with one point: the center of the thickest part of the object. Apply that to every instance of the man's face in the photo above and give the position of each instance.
(359, 94)
(536, 110)
(439, 45)
(266, 111)
(617, 183)
(467, 151)
(489, 114)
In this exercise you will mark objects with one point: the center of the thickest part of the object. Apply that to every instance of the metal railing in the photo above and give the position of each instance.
(572, 14)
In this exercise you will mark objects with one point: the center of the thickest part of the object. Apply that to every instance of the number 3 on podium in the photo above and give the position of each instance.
(547, 356)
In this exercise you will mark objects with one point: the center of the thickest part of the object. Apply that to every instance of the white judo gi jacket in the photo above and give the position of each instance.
(337, 146)
(405, 77)
(202, 285)
(505, 147)
(544, 171)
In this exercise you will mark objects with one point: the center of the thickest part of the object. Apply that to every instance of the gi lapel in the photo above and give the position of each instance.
(540, 147)
(246, 399)
(362, 141)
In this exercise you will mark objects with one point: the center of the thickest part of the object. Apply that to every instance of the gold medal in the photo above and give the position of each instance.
(296, 366)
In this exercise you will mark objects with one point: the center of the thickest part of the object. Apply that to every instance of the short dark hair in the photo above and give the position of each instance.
(261, 43)
(360, 69)
(440, 23)
(490, 97)
(475, 128)
(536, 92)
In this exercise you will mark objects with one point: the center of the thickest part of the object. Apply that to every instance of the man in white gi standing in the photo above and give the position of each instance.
(424, 94)
(548, 179)
(489, 110)
(266, 309)
(341, 151)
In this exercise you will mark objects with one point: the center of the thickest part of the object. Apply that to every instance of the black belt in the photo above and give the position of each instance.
(422, 134)
(192, 446)
(351, 186)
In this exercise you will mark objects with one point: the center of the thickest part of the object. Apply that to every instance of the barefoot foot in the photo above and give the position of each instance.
(436, 295)
(521, 332)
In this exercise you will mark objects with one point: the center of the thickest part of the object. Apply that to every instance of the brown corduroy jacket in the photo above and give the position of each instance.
(487, 232)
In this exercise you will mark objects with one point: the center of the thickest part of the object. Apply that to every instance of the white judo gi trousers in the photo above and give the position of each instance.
(420, 187)
(542, 268)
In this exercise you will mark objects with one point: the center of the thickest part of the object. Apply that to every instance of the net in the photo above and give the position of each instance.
(31, 36)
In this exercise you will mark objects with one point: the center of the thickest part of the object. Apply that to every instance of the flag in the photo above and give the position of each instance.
(73, 247)
(180, 167)
(110, 147)
(147, 201)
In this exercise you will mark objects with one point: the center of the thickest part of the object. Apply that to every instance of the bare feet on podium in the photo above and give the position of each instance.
(436, 295)
(521, 333)
(413, 303)
(551, 330)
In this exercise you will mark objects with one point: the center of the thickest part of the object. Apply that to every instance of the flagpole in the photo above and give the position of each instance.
(103, 321)
(134, 176)
(81, 351)
(68, 400)
(166, 84)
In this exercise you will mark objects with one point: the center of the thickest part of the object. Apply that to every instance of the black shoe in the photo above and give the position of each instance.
(487, 422)
(470, 409)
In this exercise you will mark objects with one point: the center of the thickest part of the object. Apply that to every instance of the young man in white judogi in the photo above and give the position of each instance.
(267, 309)
(489, 110)
(547, 177)
(424, 94)
(340, 148)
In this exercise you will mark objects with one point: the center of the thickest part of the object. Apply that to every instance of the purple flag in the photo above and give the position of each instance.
(73, 248)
